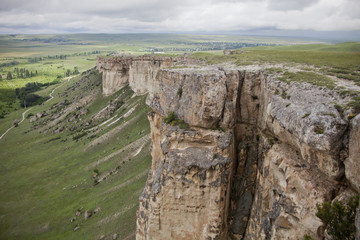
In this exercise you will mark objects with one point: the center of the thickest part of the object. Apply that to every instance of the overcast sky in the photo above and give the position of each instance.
(160, 16)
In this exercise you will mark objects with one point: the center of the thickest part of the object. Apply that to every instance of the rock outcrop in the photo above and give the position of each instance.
(258, 155)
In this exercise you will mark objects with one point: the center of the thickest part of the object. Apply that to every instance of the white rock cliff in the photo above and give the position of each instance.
(258, 156)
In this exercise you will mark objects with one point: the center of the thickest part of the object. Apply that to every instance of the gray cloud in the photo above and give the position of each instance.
(286, 5)
(115, 16)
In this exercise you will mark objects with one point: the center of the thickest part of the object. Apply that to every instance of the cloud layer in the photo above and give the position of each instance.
(113, 16)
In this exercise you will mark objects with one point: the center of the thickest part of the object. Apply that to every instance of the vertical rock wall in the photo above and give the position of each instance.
(258, 156)
(186, 193)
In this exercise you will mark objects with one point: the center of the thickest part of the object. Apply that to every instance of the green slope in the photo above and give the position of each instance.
(46, 177)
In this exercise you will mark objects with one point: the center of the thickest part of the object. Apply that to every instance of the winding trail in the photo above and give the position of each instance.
(23, 114)
(51, 94)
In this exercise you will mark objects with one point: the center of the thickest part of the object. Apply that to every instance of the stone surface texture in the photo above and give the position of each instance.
(258, 156)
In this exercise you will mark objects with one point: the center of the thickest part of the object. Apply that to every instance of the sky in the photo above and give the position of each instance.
(296, 17)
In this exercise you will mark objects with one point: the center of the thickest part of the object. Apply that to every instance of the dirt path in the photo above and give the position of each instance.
(23, 118)
(23, 114)
(51, 94)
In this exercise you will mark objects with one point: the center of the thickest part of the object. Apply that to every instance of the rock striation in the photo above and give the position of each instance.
(258, 155)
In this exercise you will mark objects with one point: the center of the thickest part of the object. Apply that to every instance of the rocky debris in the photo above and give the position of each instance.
(228, 52)
(33, 119)
(83, 111)
(96, 210)
(76, 228)
(115, 236)
(73, 219)
(102, 237)
(232, 52)
(56, 116)
(39, 115)
(60, 104)
(88, 214)
(16, 122)
(72, 118)
(78, 213)
(59, 130)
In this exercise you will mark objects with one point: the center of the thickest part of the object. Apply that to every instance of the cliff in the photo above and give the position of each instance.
(257, 156)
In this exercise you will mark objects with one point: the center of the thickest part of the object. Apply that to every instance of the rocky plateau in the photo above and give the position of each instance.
(256, 158)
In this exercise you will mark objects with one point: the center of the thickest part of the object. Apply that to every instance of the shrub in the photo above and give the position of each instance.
(340, 109)
(174, 121)
(339, 219)
(319, 130)
(355, 104)
(305, 115)
(179, 92)
(307, 237)
(171, 117)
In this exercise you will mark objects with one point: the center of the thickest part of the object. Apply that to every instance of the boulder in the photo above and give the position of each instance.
(33, 119)
(88, 214)
(16, 122)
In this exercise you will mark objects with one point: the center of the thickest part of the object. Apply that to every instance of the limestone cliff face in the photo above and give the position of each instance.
(259, 155)
(138, 71)
(186, 194)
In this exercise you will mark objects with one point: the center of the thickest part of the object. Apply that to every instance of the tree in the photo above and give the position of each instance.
(339, 218)
(76, 70)
(1, 77)
(32, 99)
(9, 76)
(68, 72)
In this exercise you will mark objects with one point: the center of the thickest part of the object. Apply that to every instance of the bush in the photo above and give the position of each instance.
(339, 219)
(179, 92)
(32, 99)
(307, 237)
(171, 117)
(174, 121)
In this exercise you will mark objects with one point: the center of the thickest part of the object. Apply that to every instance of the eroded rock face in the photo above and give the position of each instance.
(352, 164)
(137, 71)
(259, 155)
(186, 193)
(285, 203)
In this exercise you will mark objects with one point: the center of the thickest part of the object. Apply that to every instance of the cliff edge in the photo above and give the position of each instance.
(243, 155)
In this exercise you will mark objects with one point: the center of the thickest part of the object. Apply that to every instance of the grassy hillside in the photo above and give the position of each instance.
(49, 167)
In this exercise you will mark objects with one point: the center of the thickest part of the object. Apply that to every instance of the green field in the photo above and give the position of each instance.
(339, 60)
(92, 152)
